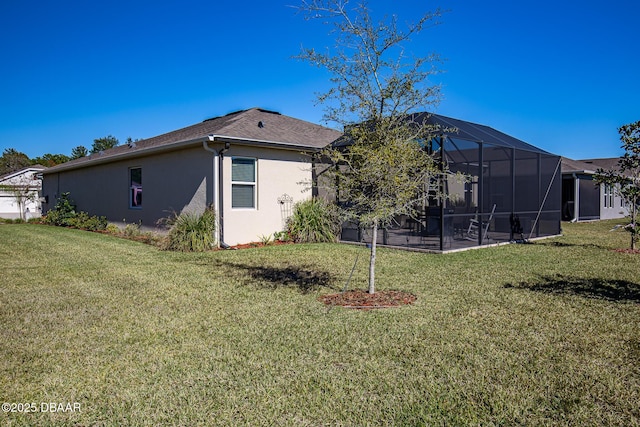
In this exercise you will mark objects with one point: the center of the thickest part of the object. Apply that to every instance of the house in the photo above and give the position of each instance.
(513, 192)
(250, 166)
(20, 193)
(582, 198)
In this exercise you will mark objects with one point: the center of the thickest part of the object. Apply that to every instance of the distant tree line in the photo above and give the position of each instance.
(13, 160)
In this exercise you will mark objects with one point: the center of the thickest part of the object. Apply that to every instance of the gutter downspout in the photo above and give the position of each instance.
(218, 199)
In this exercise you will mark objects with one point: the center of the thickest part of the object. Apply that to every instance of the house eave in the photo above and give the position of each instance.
(98, 160)
(268, 144)
(20, 172)
(581, 171)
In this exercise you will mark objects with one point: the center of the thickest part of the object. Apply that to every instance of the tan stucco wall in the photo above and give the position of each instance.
(183, 180)
(278, 173)
(171, 181)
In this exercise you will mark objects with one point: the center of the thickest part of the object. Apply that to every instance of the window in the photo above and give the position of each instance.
(608, 196)
(243, 183)
(135, 188)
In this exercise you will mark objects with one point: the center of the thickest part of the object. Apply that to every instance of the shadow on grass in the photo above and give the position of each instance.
(570, 245)
(609, 290)
(305, 279)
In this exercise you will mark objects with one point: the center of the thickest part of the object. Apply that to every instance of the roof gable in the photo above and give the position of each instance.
(15, 174)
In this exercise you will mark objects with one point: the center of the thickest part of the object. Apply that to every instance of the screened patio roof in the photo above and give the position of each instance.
(476, 133)
(456, 129)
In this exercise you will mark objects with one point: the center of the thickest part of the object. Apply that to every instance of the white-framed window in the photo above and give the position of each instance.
(135, 188)
(243, 183)
(608, 196)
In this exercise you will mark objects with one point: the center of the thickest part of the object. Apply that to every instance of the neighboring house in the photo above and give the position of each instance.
(582, 198)
(250, 166)
(20, 193)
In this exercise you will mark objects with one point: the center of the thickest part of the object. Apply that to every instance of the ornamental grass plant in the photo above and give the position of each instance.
(191, 231)
(314, 221)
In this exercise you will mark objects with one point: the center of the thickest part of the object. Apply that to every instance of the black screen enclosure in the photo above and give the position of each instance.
(512, 193)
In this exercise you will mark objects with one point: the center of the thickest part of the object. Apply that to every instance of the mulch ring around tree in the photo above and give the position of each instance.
(628, 251)
(362, 300)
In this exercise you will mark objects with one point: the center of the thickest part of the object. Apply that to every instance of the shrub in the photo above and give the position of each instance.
(191, 232)
(131, 230)
(134, 232)
(112, 229)
(282, 236)
(83, 221)
(265, 240)
(94, 223)
(63, 212)
(314, 221)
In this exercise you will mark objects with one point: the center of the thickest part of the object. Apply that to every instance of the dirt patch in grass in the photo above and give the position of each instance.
(362, 300)
(627, 251)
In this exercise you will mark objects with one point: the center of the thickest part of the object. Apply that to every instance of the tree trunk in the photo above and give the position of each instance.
(21, 208)
(372, 261)
(633, 225)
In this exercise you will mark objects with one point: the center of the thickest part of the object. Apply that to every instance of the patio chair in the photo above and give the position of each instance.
(474, 226)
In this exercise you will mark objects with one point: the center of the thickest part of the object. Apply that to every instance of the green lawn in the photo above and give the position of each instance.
(539, 334)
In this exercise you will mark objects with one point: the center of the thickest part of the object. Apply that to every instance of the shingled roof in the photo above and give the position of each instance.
(255, 126)
(577, 166)
(589, 166)
(609, 163)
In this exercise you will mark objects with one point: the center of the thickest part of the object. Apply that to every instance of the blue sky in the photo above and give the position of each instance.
(562, 75)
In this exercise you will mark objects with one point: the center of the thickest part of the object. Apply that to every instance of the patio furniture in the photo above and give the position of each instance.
(474, 226)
